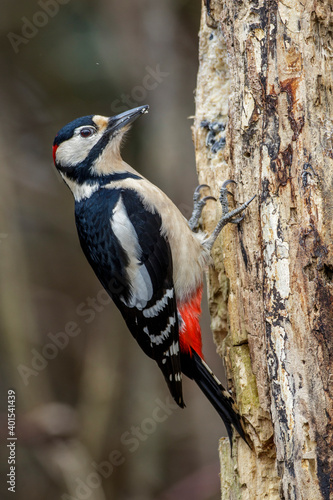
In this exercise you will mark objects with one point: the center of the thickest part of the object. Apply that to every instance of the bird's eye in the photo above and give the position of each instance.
(86, 132)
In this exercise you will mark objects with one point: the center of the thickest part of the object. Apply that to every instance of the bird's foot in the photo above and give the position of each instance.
(228, 216)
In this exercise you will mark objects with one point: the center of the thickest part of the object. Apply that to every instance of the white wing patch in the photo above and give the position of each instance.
(164, 334)
(174, 349)
(154, 310)
(176, 376)
(141, 285)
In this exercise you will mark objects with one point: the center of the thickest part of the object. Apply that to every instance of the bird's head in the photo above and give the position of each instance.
(88, 148)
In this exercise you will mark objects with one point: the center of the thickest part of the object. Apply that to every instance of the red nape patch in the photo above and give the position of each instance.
(190, 334)
(54, 150)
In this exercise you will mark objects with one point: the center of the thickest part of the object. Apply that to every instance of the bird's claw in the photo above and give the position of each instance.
(228, 181)
(199, 204)
(228, 216)
(238, 220)
(197, 191)
(197, 194)
(208, 198)
(201, 186)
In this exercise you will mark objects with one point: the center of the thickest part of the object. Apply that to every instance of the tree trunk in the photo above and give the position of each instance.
(264, 117)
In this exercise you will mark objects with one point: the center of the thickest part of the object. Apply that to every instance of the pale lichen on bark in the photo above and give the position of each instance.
(266, 73)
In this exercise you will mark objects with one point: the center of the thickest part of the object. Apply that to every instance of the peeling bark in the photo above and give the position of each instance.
(264, 117)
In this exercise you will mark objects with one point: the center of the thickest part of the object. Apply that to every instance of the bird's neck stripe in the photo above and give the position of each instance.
(80, 191)
(117, 176)
(101, 180)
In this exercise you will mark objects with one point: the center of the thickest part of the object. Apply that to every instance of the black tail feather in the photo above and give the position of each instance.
(195, 368)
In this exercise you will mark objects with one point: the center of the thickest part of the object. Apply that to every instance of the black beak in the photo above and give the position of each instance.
(119, 121)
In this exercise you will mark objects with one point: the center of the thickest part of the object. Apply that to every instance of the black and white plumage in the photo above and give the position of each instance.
(123, 244)
(143, 251)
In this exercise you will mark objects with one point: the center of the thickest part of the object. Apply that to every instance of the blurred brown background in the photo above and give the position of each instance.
(87, 399)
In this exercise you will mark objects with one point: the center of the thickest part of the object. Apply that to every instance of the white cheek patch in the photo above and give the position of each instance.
(141, 285)
(75, 150)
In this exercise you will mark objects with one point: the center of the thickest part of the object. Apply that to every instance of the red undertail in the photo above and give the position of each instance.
(190, 333)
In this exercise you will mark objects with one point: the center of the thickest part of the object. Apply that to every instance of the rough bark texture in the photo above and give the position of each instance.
(264, 117)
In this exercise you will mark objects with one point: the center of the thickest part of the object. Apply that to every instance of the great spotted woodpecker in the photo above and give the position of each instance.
(148, 257)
